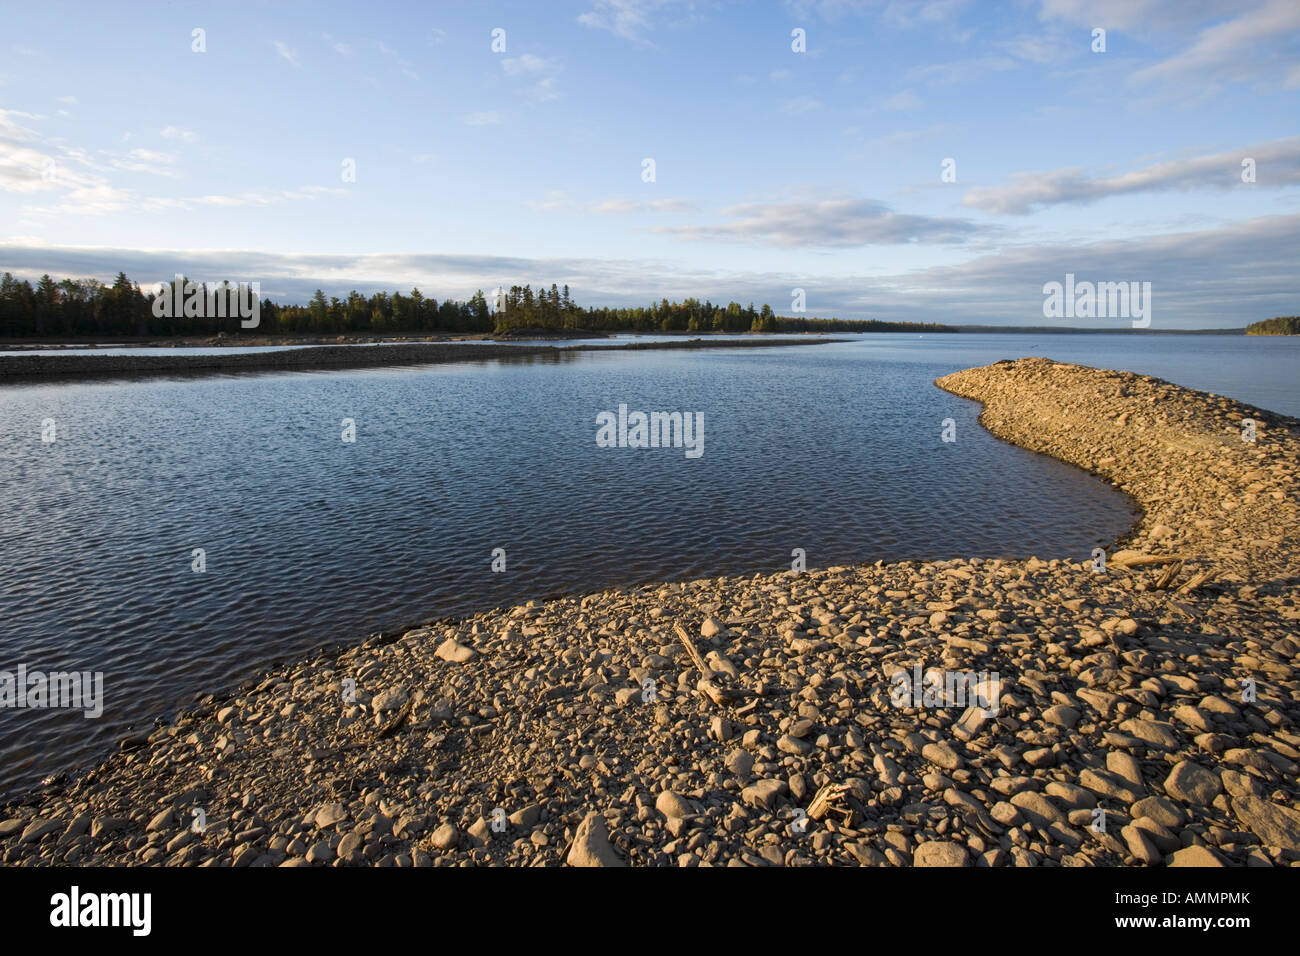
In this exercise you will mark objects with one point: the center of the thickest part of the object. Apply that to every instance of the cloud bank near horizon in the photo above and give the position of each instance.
(1214, 278)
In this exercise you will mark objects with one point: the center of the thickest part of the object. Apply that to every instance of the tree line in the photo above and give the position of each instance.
(86, 308)
(1282, 325)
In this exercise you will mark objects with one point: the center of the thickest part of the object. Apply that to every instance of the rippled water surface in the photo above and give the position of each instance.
(308, 539)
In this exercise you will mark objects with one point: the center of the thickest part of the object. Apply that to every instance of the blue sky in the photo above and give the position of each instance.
(122, 148)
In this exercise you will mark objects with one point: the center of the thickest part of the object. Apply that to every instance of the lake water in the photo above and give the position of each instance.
(309, 539)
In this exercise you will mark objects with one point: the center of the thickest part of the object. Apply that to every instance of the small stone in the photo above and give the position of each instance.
(673, 805)
(940, 853)
(1152, 733)
(455, 653)
(1192, 783)
(764, 793)
(446, 837)
(793, 745)
(1274, 825)
(387, 700)
(740, 762)
(1074, 797)
(1062, 716)
(591, 846)
(35, 831)
(1140, 845)
(801, 728)
(1037, 809)
(1160, 809)
(1196, 856)
(1007, 814)
(330, 814)
(320, 852)
(350, 848)
(1039, 757)
(1109, 785)
(721, 729)
(942, 755)
(970, 723)
(527, 818)
(103, 825)
(1127, 768)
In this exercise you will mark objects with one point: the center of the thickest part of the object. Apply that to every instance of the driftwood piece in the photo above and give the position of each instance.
(721, 695)
(826, 797)
(1194, 582)
(390, 728)
(692, 651)
(1142, 560)
(1168, 576)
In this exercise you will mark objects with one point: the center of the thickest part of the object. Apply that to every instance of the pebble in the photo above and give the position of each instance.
(591, 846)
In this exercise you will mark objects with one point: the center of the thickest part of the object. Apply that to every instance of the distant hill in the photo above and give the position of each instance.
(1282, 325)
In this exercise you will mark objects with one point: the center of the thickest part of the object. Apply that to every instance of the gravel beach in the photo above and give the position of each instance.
(1142, 715)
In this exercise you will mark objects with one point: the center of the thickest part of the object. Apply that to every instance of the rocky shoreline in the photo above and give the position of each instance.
(1145, 714)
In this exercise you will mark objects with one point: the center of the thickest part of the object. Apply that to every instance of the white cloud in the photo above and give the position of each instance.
(1213, 278)
(1259, 45)
(1046, 49)
(800, 105)
(905, 100)
(630, 19)
(826, 223)
(620, 206)
(539, 71)
(1277, 164)
(152, 156)
(527, 63)
(484, 118)
(556, 200)
(286, 53)
(404, 67)
(1151, 16)
(180, 133)
(342, 49)
(959, 71)
(146, 161)
(911, 15)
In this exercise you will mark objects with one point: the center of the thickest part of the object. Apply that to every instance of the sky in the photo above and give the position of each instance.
(921, 161)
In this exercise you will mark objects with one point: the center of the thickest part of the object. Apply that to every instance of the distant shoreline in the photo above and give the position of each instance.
(50, 343)
(29, 365)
